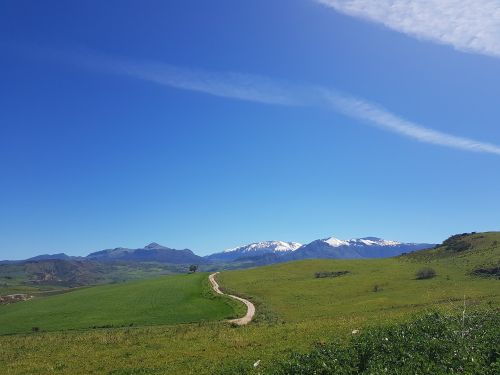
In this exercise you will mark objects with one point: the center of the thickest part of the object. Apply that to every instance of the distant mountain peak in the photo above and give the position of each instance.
(154, 246)
(335, 242)
(278, 248)
(375, 241)
(365, 241)
(271, 246)
(51, 257)
(154, 252)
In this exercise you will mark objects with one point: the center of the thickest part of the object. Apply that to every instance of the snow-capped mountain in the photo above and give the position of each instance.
(266, 246)
(267, 252)
(365, 241)
(366, 247)
(256, 249)
(251, 255)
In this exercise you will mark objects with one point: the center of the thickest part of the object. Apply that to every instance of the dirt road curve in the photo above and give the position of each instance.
(250, 307)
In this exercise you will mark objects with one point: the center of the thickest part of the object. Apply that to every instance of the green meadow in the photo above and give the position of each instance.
(371, 288)
(295, 311)
(164, 300)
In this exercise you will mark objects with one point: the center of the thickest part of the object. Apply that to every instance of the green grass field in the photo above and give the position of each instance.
(164, 300)
(292, 292)
(294, 311)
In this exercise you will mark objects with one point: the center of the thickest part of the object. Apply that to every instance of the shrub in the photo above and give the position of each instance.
(457, 243)
(425, 273)
(322, 274)
(35, 329)
(487, 272)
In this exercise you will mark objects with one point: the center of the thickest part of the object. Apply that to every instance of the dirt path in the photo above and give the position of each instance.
(250, 306)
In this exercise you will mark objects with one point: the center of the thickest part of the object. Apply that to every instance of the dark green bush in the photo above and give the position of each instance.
(322, 274)
(458, 243)
(376, 288)
(425, 273)
(487, 272)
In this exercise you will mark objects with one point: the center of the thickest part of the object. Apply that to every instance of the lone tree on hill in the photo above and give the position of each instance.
(193, 268)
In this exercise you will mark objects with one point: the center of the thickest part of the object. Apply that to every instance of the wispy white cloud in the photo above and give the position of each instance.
(467, 25)
(230, 85)
(233, 85)
(269, 91)
(384, 119)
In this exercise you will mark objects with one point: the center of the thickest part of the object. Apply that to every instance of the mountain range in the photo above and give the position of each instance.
(258, 253)
(149, 253)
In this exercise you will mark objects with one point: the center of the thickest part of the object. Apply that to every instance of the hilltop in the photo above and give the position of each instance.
(478, 252)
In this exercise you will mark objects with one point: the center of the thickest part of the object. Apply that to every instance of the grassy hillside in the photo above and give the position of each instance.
(372, 287)
(295, 310)
(464, 251)
(165, 300)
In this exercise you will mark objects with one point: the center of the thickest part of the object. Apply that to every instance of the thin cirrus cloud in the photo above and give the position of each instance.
(232, 85)
(229, 84)
(264, 90)
(467, 25)
(382, 118)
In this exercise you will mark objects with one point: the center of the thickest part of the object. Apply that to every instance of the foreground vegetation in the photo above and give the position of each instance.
(295, 312)
(432, 344)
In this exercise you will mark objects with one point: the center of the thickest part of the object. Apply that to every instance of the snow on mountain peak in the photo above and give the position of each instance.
(271, 246)
(374, 241)
(366, 241)
(335, 242)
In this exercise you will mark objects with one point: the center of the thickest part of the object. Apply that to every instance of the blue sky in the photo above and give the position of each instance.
(208, 125)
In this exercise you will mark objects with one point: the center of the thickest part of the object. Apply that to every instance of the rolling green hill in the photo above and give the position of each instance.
(470, 251)
(374, 287)
(295, 310)
(165, 300)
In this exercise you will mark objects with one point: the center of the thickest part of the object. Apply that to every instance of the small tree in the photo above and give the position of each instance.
(425, 273)
(193, 268)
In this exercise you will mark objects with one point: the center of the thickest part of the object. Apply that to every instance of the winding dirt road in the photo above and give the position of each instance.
(250, 306)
